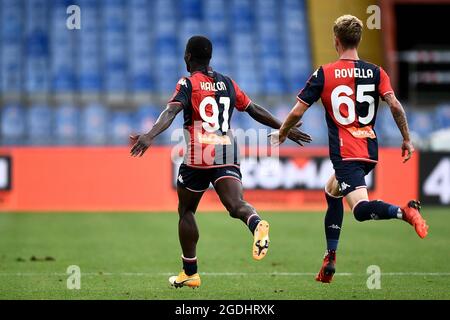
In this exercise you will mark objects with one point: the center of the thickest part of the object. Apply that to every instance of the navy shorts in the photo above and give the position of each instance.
(351, 174)
(198, 179)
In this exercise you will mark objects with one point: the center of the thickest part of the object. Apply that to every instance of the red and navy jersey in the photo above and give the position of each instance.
(350, 92)
(208, 100)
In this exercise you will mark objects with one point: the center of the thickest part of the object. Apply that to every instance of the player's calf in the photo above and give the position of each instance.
(375, 210)
(239, 209)
(243, 211)
(333, 220)
(378, 210)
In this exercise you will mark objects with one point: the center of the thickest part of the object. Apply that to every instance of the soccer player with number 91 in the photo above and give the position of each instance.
(208, 99)
(350, 89)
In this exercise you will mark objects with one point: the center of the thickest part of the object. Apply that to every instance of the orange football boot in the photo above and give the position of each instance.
(328, 269)
(261, 240)
(411, 214)
(183, 279)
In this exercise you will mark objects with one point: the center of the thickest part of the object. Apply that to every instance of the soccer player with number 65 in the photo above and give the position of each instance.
(350, 89)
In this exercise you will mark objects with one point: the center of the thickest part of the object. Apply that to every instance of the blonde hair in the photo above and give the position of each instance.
(348, 29)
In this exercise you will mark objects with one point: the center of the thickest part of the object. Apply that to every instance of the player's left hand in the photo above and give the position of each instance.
(407, 149)
(299, 136)
(141, 144)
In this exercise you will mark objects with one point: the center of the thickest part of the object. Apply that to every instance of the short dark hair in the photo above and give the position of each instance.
(348, 29)
(200, 49)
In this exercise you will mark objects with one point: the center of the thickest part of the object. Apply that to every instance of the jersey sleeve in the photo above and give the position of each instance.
(242, 100)
(182, 92)
(313, 88)
(385, 84)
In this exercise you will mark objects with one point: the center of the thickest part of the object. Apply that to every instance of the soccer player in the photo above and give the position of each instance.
(350, 89)
(208, 100)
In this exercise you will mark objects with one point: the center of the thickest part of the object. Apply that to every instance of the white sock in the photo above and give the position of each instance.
(399, 214)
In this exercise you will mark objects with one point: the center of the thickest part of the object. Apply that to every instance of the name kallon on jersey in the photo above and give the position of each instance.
(353, 73)
(213, 86)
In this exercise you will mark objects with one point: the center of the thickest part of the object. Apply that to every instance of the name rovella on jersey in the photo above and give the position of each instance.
(353, 73)
(350, 91)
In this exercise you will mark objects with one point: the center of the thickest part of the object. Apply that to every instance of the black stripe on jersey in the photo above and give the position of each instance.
(372, 144)
(224, 152)
(333, 139)
(362, 108)
(185, 97)
(230, 93)
(313, 89)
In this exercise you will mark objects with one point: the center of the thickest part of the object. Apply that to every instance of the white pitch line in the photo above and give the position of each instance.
(221, 274)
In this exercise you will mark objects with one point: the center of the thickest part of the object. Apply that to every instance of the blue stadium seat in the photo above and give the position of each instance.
(191, 9)
(272, 76)
(246, 127)
(421, 122)
(12, 29)
(93, 124)
(120, 127)
(165, 19)
(39, 124)
(175, 130)
(13, 124)
(145, 117)
(140, 50)
(114, 42)
(242, 16)
(236, 121)
(67, 124)
(240, 121)
(37, 46)
(295, 43)
(315, 125)
(89, 74)
(386, 129)
(188, 28)
(442, 116)
(63, 64)
(216, 19)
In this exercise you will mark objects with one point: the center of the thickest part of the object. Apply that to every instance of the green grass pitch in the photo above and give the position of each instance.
(130, 256)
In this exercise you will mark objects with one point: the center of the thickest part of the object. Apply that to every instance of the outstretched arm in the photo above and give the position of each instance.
(264, 117)
(400, 119)
(165, 119)
(292, 119)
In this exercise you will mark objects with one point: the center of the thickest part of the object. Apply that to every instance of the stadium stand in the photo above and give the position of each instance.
(12, 124)
(136, 46)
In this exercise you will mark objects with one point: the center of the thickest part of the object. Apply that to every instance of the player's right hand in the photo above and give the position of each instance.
(407, 149)
(141, 144)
